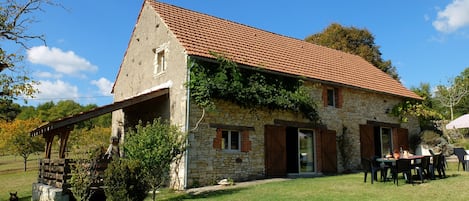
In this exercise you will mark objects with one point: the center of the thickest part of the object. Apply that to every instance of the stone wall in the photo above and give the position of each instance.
(207, 165)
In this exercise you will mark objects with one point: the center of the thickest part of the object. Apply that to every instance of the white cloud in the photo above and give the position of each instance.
(47, 75)
(453, 17)
(56, 90)
(104, 85)
(63, 62)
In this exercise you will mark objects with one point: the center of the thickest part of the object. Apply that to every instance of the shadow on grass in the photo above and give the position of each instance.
(206, 194)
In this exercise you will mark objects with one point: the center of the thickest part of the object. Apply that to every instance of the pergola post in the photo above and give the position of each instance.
(63, 141)
(63, 134)
(49, 137)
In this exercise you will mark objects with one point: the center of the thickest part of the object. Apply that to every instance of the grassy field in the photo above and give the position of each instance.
(341, 187)
(14, 179)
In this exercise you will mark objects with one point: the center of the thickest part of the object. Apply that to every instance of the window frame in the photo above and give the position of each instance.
(160, 64)
(386, 131)
(228, 146)
(333, 95)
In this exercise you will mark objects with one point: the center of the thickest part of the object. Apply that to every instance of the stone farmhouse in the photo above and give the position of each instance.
(353, 99)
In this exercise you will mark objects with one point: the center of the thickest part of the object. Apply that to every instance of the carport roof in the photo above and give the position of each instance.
(52, 126)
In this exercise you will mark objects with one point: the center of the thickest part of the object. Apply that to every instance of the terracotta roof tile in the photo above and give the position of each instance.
(200, 33)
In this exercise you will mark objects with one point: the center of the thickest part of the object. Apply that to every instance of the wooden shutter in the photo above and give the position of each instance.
(338, 97)
(400, 138)
(275, 151)
(217, 140)
(245, 142)
(324, 96)
(328, 151)
(367, 141)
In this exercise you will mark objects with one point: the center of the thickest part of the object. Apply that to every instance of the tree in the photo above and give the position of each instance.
(15, 18)
(17, 139)
(156, 146)
(463, 106)
(8, 110)
(450, 96)
(354, 41)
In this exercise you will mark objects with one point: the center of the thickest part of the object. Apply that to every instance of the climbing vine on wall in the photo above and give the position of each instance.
(248, 88)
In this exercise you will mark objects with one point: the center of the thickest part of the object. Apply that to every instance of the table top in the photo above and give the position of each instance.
(413, 157)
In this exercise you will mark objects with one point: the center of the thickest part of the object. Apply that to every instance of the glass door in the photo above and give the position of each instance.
(386, 141)
(306, 151)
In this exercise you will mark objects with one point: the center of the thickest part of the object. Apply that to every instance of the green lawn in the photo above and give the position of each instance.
(341, 187)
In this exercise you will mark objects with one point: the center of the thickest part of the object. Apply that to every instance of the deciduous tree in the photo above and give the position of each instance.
(451, 94)
(16, 138)
(354, 41)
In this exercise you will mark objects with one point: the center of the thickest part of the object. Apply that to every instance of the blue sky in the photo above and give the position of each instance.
(427, 40)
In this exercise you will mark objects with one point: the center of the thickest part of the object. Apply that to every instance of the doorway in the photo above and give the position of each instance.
(289, 150)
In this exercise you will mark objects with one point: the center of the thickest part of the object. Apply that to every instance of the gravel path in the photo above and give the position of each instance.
(200, 190)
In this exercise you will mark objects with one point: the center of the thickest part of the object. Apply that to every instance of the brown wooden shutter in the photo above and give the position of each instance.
(217, 140)
(329, 151)
(367, 144)
(245, 142)
(400, 137)
(318, 150)
(338, 97)
(324, 95)
(275, 151)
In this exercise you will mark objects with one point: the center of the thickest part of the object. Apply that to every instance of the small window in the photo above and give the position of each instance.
(331, 97)
(159, 62)
(231, 140)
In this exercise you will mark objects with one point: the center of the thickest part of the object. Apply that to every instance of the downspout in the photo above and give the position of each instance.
(186, 153)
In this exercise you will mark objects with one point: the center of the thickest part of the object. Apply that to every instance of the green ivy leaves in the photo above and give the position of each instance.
(248, 88)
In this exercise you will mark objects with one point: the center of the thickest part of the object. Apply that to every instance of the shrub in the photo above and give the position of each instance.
(156, 145)
(124, 180)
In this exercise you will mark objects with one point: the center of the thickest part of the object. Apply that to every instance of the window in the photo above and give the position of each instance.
(230, 140)
(233, 138)
(330, 97)
(159, 62)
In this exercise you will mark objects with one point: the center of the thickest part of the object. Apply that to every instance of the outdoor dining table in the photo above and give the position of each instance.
(391, 162)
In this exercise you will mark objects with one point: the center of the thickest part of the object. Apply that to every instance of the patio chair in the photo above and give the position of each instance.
(372, 167)
(403, 166)
(438, 165)
(423, 168)
(461, 153)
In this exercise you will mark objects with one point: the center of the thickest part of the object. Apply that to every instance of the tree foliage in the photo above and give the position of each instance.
(463, 106)
(156, 145)
(354, 41)
(15, 18)
(424, 110)
(15, 138)
(125, 181)
(248, 88)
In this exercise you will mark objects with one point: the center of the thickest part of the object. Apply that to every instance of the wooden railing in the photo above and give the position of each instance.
(57, 172)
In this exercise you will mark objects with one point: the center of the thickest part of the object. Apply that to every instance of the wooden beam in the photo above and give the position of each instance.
(49, 137)
(63, 142)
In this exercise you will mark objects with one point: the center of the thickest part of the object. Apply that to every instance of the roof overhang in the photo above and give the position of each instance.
(71, 120)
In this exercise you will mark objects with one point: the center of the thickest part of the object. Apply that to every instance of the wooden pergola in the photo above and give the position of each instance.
(63, 127)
